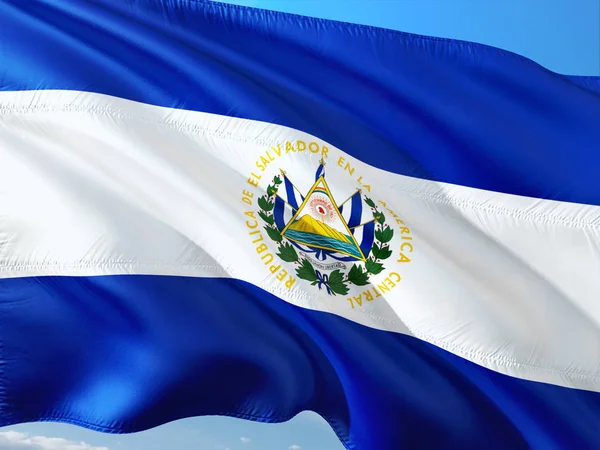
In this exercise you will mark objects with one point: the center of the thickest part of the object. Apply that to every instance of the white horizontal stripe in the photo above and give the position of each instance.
(91, 184)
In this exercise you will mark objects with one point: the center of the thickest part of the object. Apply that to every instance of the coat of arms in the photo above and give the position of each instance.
(333, 244)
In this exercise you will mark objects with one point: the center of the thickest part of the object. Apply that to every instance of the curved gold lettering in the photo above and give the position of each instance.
(406, 244)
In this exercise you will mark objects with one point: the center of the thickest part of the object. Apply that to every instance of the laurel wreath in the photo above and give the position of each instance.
(337, 281)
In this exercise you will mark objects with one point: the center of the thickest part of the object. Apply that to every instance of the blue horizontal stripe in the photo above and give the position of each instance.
(125, 353)
(437, 109)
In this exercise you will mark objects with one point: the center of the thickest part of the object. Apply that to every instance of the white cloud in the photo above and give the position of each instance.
(13, 440)
(244, 440)
(294, 447)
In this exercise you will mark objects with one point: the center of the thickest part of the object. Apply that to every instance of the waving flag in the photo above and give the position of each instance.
(210, 209)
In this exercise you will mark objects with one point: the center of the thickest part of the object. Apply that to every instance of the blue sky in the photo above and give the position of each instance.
(562, 35)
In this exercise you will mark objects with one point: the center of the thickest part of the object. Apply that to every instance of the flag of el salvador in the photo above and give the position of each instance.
(213, 209)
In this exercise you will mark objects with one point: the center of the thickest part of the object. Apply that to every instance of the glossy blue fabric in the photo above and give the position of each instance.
(431, 108)
(124, 353)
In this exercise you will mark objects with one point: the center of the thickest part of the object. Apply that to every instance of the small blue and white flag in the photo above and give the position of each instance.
(212, 209)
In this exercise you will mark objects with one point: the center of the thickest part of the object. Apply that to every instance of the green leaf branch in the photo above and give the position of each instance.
(266, 203)
(383, 235)
(337, 282)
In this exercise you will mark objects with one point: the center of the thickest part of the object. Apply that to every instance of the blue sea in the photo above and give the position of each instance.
(324, 241)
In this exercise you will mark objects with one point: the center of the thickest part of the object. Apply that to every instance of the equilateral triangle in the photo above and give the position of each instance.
(318, 223)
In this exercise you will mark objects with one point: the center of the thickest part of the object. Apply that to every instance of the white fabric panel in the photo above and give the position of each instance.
(96, 185)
